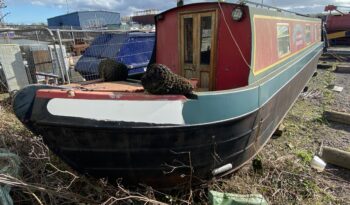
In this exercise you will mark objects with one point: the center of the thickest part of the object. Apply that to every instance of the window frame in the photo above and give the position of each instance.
(315, 32)
(306, 33)
(278, 37)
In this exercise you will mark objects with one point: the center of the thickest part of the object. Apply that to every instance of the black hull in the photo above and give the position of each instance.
(165, 157)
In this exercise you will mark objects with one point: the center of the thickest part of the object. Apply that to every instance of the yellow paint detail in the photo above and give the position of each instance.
(284, 57)
(336, 35)
(283, 18)
(280, 61)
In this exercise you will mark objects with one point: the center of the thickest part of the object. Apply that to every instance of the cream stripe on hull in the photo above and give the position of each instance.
(158, 112)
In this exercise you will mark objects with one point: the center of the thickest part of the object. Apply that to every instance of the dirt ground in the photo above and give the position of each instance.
(283, 174)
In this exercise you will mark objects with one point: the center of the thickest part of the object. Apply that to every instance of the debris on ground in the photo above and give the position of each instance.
(318, 164)
(336, 156)
(218, 198)
(337, 88)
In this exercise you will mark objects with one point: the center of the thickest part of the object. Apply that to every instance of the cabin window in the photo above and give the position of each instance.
(206, 36)
(308, 34)
(188, 39)
(315, 29)
(283, 39)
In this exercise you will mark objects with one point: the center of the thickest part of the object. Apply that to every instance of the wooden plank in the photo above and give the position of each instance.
(42, 61)
(343, 68)
(324, 65)
(336, 156)
(335, 116)
(119, 86)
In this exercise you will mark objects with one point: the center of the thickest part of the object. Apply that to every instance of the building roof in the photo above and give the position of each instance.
(77, 12)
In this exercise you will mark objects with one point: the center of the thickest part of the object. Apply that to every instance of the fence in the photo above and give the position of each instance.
(71, 56)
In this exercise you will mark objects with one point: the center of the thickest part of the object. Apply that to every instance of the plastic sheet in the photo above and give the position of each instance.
(218, 198)
(9, 164)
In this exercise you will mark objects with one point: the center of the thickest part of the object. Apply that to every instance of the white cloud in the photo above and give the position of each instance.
(39, 3)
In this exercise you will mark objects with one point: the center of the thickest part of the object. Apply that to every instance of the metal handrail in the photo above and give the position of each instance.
(54, 41)
(271, 7)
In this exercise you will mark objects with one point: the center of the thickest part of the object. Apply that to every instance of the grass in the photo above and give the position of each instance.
(305, 156)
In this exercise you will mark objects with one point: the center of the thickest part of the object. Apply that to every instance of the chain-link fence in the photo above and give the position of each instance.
(88, 48)
(71, 56)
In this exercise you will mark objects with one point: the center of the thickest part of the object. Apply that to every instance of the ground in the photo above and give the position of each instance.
(286, 176)
(281, 171)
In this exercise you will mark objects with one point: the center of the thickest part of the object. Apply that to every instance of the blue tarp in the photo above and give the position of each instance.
(132, 49)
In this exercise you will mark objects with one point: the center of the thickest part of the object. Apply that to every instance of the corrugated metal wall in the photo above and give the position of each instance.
(98, 19)
(85, 20)
(67, 20)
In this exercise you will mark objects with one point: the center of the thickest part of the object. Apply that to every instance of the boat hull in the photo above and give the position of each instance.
(164, 156)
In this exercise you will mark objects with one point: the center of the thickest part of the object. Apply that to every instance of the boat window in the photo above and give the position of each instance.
(188, 39)
(283, 39)
(315, 31)
(307, 34)
(206, 36)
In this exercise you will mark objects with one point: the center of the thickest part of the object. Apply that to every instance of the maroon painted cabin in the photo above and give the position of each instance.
(194, 41)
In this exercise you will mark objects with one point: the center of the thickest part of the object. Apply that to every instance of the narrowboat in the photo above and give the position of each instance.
(250, 65)
(337, 26)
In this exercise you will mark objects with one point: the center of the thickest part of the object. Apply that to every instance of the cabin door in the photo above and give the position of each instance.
(197, 44)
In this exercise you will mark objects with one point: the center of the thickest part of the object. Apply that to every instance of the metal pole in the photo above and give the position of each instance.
(56, 53)
(59, 62)
(62, 55)
(37, 36)
(71, 28)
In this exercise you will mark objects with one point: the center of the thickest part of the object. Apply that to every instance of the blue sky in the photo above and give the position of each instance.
(28, 13)
(36, 11)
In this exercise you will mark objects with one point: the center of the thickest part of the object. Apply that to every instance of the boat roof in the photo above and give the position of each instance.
(270, 10)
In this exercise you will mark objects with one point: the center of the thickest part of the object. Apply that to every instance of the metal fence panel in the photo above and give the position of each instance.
(73, 56)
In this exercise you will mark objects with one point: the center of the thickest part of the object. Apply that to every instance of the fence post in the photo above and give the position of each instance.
(73, 36)
(37, 36)
(62, 55)
(56, 54)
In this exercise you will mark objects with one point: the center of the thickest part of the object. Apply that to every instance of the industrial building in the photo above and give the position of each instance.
(86, 20)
